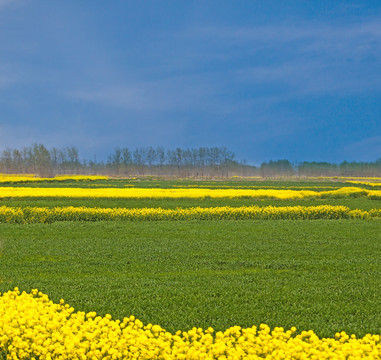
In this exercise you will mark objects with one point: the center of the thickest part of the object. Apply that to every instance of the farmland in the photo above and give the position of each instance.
(320, 273)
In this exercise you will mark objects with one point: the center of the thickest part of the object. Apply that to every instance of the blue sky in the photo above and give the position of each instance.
(270, 80)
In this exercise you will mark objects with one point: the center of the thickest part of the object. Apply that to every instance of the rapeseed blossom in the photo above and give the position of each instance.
(70, 213)
(368, 183)
(16, 178)
(177, 193)
(33, 327)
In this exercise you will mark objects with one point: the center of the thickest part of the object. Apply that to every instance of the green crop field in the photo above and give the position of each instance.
(321, 274)
(351, 202)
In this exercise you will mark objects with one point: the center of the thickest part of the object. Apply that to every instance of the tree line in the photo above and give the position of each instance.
(193, 162)
(317, 169)
(203, 161)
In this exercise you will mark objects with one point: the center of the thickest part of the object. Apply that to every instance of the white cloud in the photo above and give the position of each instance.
(312, 32)
(300, 59)
(177, 93)
(300, 79)
(314, 59)
(366, 149)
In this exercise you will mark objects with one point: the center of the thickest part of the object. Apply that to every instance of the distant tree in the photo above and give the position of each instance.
(317, 169)
(279, 167)
(139, 156)
(160, 153)
(126, 156)
(54, 157)
(151, 156)
(115, 159)
(6, 160)
(73, 155)
(41, 161)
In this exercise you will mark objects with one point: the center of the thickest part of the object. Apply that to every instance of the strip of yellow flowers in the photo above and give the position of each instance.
(375, 184)
(12, 178)
(33, 327)
(141, 193)
(19, 215)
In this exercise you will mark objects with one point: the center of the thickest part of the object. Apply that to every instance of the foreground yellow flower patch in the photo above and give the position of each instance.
(26, 215)
(33, 327)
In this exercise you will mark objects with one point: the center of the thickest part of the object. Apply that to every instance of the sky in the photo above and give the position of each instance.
(270, 80)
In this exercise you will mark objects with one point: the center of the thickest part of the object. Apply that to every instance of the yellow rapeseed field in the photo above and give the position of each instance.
(33, 327)
(157, 193)
(375, 184)
(11, 178)
(70, 213)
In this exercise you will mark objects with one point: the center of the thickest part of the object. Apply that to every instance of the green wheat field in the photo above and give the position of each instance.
(312, 274)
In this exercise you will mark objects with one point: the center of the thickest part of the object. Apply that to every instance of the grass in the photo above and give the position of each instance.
(319, 275)
(294, 184)
(353, 203)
